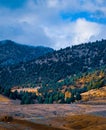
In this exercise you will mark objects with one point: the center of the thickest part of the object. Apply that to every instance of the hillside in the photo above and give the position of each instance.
(14, 53)
(55, 66)
(58, 77)
(94, 94)
(74, 88)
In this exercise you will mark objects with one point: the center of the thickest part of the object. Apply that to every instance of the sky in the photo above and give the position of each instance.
(53, 23)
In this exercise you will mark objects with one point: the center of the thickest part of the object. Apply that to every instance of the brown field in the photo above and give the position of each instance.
(17, 124)
(53, 116)
(83, 122)
(75, 122)
(4, 99)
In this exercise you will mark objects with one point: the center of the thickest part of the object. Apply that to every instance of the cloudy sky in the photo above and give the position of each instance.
(53, 23)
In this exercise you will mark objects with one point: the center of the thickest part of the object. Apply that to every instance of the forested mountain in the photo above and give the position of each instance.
(55, 66)
(14, 53)
(71, 89)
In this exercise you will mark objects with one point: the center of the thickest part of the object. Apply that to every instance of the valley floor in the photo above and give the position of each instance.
(53, 116)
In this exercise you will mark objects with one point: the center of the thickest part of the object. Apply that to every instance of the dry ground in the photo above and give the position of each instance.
(75, 122)
(82, 122)
(17, 124)
(4, 99)
(64, 116)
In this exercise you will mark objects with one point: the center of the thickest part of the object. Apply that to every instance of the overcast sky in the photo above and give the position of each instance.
(53, 23)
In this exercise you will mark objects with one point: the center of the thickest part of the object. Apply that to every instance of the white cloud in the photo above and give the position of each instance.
(72, 33)
(52, 3)
(39, 22)
(84, 30)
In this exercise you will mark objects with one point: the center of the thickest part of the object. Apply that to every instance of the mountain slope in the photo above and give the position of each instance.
(55, 66)
(94, 94)
(13, 53)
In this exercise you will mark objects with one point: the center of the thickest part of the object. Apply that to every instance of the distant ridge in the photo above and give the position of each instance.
(53, 66)
(13, 53)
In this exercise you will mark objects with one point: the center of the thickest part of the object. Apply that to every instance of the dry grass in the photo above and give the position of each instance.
(54, 115)
(75, 122)
(88, 78)
(83, 122)
(4, 99)
(32, 90)
(94, 94)
(8, 123)
(87, 122)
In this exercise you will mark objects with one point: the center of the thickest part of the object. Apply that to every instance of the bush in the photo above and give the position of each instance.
(6, 118)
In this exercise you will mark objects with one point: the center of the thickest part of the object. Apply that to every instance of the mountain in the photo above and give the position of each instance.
(14, 53)
(55, 66)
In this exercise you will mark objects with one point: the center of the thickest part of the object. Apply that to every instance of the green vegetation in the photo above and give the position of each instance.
(12, 53)
(55, 66)
(67, 90)
(62, 75)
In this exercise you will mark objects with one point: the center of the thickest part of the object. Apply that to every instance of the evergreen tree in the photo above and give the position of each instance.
(78, 96)
(51, 99)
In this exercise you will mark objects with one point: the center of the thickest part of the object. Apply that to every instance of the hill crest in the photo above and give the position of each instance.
(12, 53)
